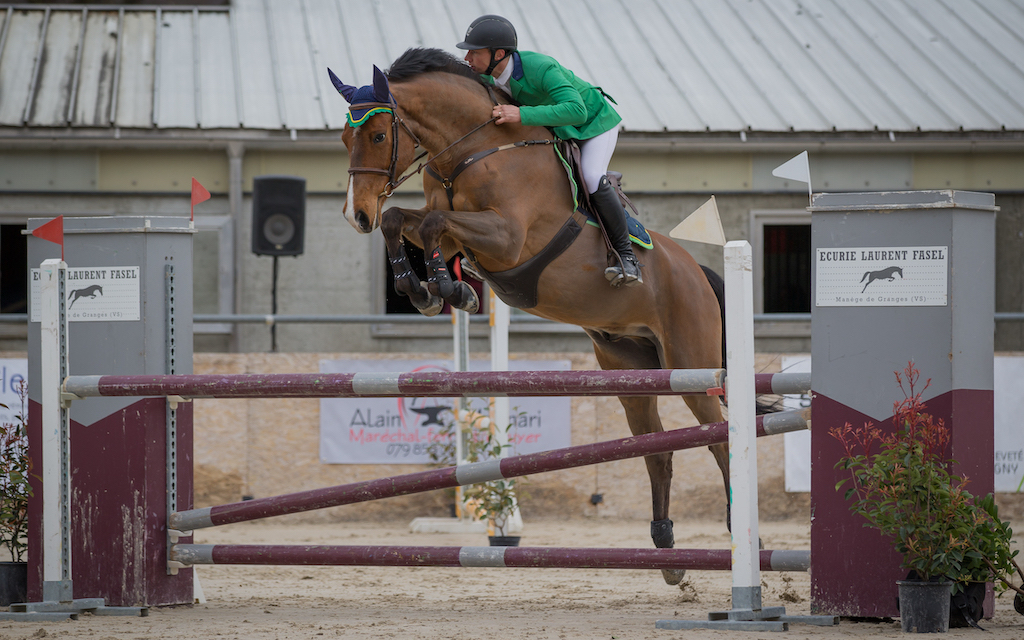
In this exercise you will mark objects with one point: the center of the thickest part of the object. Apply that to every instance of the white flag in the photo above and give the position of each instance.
(703, 225)
(797, 169)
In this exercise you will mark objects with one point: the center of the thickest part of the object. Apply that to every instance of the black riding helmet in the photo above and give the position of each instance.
(490, 32)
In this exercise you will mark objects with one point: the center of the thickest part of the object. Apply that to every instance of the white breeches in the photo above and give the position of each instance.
(595, 154)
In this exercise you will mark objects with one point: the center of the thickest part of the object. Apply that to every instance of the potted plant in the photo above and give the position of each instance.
(494, 500)
(15, 490)
(902, 484)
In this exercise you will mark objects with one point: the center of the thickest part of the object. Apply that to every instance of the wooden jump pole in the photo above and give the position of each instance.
(519, 557)
(512, 467)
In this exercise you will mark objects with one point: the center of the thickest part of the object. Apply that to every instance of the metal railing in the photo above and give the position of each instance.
(411, 318)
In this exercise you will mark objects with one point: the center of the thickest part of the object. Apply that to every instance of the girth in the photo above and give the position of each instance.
(463, 164)
(517, 287)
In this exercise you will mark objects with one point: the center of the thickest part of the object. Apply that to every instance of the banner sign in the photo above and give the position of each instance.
(1009, 437)
(13, 371)
(797, 444)
(97, 294)
(401, 430)
(1009, 407)
(881, 277)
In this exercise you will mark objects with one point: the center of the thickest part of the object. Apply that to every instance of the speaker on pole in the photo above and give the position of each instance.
(278, 215)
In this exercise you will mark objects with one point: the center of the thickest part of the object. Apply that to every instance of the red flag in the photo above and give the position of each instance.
(199, 194)
(52, 231)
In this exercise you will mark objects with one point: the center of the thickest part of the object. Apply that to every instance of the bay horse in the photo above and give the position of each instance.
(498, 195)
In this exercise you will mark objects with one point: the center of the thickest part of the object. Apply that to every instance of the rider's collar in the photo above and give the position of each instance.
(517, 66)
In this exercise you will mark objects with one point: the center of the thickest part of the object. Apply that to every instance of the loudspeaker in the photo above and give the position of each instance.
(278, 215)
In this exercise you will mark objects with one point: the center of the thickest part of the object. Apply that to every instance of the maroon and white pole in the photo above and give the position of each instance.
(512, 467)
(517, 557)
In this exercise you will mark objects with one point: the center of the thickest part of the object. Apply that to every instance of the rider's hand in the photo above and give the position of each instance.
(505, 113)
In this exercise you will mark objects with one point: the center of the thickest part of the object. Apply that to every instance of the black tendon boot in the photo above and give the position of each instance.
(613, 217)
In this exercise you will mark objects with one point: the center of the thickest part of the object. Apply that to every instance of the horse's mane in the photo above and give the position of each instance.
(423, 60)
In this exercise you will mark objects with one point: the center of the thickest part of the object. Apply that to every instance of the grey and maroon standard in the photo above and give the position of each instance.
(938, 314)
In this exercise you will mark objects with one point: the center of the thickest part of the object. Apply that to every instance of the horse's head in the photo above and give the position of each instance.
(378, 152)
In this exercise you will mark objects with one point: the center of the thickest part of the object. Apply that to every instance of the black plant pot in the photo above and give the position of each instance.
(967, 606)
(503, 541)
(13, 582)
(924, 606)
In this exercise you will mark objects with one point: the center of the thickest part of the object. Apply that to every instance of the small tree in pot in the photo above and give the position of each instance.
(15, 490)
(494, 500)
(902, 485)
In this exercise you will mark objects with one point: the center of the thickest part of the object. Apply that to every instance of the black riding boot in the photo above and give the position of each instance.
(609, 208)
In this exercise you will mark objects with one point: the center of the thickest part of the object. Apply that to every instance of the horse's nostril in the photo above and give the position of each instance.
(363, 221)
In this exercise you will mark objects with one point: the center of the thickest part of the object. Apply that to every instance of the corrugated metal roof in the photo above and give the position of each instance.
(679, 66)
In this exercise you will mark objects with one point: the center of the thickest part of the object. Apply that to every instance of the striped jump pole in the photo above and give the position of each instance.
(511, 557)
(512, 467)
(427, 384)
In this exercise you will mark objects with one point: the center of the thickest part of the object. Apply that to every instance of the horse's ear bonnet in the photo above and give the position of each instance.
(366, 100)
(381, 89)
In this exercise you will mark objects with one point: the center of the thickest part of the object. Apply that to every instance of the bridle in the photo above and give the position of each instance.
(397, 124)
(394, 181)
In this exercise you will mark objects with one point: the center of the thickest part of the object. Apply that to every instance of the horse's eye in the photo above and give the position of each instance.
(377, 139)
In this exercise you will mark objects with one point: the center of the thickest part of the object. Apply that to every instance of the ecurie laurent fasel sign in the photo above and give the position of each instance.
(881, 276)
(97, 294)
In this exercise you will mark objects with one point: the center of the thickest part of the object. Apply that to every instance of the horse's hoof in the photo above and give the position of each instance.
(434, 307)
(465, 298)
(430, 305)
(673, 576)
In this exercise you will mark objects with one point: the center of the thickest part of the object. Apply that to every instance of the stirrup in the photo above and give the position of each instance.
(630, 278)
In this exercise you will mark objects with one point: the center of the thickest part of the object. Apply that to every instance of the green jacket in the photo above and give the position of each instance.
(552, 96)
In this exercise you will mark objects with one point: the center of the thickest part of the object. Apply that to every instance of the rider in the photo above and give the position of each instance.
(552, 96)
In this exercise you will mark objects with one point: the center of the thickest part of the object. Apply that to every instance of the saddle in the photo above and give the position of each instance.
(517, 287)
(570, 154)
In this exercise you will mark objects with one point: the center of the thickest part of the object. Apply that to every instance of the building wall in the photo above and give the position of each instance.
(341, 271)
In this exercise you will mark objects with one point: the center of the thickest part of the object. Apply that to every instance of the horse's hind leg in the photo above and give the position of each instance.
(642, 416)
(707, 410)
(407, 283)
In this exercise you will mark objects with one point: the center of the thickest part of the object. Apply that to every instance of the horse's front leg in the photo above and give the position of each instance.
(407, 283)
(439, 281)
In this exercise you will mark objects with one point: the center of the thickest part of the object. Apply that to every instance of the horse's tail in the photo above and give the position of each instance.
(718, 286)
(866, 274)
(761, 407)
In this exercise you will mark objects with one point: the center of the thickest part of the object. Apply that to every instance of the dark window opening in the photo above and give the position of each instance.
(787, 268)
(14, 272)
(396, 303)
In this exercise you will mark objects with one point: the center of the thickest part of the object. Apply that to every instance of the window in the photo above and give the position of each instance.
(396, 303)
(787, 268)
(781, 244)
(14, 274)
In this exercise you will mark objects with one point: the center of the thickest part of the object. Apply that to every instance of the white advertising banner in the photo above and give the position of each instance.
(13, 371)
(401, 430)
(881, 277)
(1009, 436)
(797, 444)
(97, 294)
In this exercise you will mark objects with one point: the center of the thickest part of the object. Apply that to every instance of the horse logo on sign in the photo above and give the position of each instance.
(885, 274)
(88, 292)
